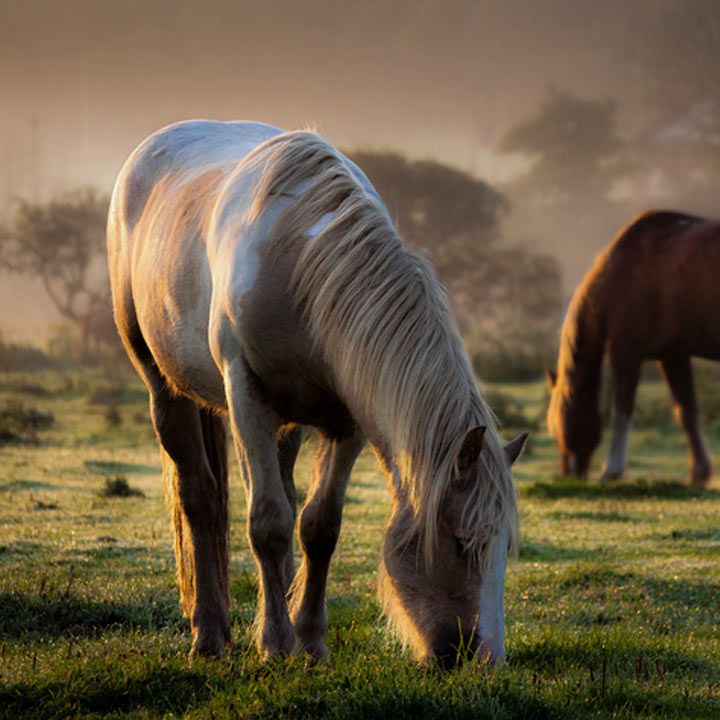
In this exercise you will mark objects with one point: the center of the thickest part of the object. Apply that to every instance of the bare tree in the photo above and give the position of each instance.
(62, 243)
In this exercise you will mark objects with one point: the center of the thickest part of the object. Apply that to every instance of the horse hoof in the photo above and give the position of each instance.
(315, 651)
(209, 647)
(700, 478)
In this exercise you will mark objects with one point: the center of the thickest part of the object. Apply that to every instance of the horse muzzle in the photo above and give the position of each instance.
(453, 648)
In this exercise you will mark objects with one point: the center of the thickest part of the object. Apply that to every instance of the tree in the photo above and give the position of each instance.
(574, 146)
(62, 243)
(455, 219)
(565, 203)
(678, 79)
(431, 202)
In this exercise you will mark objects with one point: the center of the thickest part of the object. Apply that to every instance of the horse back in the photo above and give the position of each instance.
(653, 289)
(158, 245)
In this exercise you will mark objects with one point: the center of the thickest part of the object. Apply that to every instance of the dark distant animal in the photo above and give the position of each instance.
(256, 274)
(652, 293)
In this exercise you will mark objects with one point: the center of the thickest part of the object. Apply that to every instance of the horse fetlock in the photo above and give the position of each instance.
(211, 630)
(609, 474)
(276, 639)
(700, 474)
(310, 633)
(213, 642)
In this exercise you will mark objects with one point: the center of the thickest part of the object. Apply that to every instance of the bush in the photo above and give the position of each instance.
(510, 412)
(18, 423)
(119, 487)
(15, 357)
(518, 354)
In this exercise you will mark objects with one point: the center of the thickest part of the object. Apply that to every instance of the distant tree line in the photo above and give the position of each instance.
(446, 213)
(456, 220)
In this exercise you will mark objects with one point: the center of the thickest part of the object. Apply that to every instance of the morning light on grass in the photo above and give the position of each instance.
(612, 605)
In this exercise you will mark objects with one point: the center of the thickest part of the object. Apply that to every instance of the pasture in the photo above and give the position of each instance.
(612, 606)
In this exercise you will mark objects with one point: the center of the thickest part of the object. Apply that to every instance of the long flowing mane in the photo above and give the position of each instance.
(580, 353)
(382, 320)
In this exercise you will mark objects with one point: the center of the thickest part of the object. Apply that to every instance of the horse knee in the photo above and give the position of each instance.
(270, 526)
(318, 534)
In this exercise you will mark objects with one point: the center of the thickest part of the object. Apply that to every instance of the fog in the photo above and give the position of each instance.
(81, 83)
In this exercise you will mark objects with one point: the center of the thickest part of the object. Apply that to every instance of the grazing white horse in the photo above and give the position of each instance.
(256, 274)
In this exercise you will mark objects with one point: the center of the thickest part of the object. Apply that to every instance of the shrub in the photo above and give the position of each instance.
(510, 412)
(113, 417)
(520, 353)
(119, 487)
(18, 423)
(16, 357)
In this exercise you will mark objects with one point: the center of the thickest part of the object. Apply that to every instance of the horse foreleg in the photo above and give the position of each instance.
(625, 376)
(679, 375)
(199, 508)
(270, 514)
(320, 522)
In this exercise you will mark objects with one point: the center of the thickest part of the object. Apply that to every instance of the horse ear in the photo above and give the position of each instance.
(515, 447)
(551, 377)
(470, 449)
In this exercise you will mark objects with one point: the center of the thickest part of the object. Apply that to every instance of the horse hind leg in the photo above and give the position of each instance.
(195, 469)
(194, 454)
(320, 522)
(679, 375)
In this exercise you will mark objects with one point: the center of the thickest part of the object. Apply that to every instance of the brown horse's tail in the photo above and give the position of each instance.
(214, 437)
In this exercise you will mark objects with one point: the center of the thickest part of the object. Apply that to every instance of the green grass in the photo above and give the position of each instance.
(612, 606)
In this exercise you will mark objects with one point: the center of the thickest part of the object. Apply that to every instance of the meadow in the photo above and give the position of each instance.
(612, 605)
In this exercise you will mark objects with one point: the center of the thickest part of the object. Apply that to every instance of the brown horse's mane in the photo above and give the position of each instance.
(579, 357)
(382, 320)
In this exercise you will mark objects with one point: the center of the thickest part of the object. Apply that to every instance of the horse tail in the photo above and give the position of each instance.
(215, 441)
(214, 437)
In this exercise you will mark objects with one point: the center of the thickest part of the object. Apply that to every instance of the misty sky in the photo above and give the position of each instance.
(82, 82)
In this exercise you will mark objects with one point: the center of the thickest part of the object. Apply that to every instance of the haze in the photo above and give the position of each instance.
(81, 83)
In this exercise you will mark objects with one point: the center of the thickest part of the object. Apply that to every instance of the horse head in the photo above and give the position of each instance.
(448, 604)
(575, 422)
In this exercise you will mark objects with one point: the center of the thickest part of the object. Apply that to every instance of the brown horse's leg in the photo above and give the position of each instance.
(625, 376)
(197, 490)
(270, 514)
(679, 375)
(320, 521)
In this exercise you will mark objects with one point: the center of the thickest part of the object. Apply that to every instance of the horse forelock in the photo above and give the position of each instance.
(382, 321)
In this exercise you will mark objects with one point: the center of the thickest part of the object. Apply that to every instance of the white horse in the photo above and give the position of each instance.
(257, 274)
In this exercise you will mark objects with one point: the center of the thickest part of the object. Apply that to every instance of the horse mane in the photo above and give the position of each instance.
(581, 348)
(382, 320)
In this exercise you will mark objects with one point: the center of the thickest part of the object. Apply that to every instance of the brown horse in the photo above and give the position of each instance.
(256, 275)
(650, 294)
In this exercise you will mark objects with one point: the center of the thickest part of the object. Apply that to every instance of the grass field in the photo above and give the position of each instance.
(612, 606)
